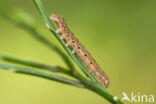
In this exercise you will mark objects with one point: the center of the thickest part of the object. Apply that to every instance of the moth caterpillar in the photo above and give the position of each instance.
(78, 48)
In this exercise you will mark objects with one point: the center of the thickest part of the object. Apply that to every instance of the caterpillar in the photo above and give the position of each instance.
(78, 48)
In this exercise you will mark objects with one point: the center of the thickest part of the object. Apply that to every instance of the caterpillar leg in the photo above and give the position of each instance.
(62, 37)
(73, 51)
(91, 71)
(67, 44)
(58, 31)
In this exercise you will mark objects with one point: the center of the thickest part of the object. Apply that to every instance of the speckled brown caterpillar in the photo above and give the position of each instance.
(78, 48)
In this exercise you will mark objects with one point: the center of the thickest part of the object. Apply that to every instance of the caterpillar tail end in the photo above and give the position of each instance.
(106, 83)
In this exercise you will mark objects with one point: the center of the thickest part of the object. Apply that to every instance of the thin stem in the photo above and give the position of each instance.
(41, 66)
(33, 72)
(92, 86)
(36, 64)
(29, 63)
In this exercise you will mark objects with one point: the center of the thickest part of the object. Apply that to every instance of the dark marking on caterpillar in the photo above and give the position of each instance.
(78, 48)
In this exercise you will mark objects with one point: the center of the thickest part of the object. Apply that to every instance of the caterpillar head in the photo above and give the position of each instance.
(56, 18)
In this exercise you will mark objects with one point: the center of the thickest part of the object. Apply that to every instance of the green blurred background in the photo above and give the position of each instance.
(120, 35)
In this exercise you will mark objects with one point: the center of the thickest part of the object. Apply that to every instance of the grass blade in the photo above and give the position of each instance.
(37, 73)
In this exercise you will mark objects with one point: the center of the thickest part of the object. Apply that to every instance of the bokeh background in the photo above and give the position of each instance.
(121, 36)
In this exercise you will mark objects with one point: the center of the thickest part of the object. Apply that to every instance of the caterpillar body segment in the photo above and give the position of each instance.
(78, 48)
